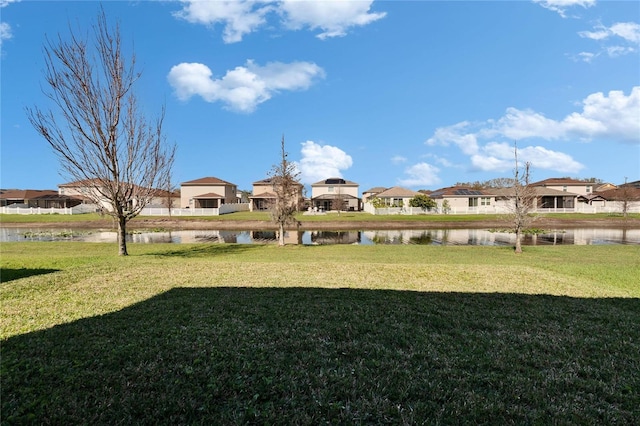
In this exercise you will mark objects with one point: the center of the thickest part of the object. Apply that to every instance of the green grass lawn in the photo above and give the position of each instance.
(237, 334)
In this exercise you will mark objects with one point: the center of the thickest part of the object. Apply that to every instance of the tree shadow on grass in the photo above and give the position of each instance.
(10, 274)
(309, 356)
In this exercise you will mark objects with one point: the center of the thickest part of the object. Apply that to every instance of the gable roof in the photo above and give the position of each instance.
(629, 192)
(397, 192)
(335, 181)
(210, 180)
(375, 190)
(208, 195)
(458, 191)
(563, 181)
(82, 183)
(26, 194)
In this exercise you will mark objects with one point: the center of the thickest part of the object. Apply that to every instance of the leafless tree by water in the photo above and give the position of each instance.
(287, 188)
(96, 127)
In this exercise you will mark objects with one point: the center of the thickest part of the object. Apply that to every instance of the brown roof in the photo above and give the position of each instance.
(26, 194)
(207, 181)
(630, 193)
(81, 183)
(209, 195)
(264, 195)
(397, 191)
(563, 181)
(458, 191)
(375, 190)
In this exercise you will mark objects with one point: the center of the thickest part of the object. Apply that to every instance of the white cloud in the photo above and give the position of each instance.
(612, 117)
(5, 32)
(500, 157)
(321, 162)
(4, 3)
(457, 135)
(5, 29)
(334, 18)
(561, 6)
(241, 17)
(398, 159)
(245, 87)
(421, 174)
(627, 33)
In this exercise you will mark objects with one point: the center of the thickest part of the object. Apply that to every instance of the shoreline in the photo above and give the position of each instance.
(256, 225)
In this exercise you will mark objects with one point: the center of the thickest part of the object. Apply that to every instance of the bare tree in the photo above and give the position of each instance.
(286, 186)
(340, 200)
(523, 201)
(169, 194)
(98, 132)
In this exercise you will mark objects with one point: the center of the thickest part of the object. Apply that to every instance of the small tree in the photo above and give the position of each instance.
(169, 192)
(105, 143)
(446, 207)
(523, 201)
(423, 201)
(340, 200)
(286, 186)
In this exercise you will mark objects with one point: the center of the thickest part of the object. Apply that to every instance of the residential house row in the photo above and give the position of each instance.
(336, 193)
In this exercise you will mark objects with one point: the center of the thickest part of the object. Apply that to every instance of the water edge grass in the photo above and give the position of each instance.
(342, 334)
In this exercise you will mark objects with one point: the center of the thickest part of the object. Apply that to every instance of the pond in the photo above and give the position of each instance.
(590, 236)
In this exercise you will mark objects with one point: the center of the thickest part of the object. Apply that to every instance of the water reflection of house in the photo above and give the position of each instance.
(335, 237)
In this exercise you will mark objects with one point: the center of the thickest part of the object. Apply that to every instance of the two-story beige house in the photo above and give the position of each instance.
(207, 193)
(335, 194)
(575, 186)
(264, 195)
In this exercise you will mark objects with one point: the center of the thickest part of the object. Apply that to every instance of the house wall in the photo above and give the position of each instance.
(188, 192)
(318, 190)
(582, 189)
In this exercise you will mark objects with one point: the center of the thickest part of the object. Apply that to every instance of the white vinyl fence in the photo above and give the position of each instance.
(147, 211)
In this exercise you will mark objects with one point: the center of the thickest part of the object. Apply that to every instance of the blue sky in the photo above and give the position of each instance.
(421, 94)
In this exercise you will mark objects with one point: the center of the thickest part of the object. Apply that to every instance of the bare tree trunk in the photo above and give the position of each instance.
(122, 236)
(518, 248)
(281, 236)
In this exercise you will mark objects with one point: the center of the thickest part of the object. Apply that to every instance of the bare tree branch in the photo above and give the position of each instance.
(98, 133)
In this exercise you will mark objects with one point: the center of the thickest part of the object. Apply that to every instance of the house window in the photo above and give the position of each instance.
(473, 202)
(588, 189)
(330, 189)
(564, 188)
(485, 201)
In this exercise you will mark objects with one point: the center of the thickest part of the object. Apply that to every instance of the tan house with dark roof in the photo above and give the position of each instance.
(264, 195)
(464, 199)
(576, 186)
(329, 193)
(370, 193)
(207, 192)
(397, 196)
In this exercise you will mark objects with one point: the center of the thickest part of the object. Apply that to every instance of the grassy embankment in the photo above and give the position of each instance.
(177, 334)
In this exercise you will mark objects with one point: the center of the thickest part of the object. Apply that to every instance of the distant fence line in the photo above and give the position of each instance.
(613, 207)
(147, 211)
